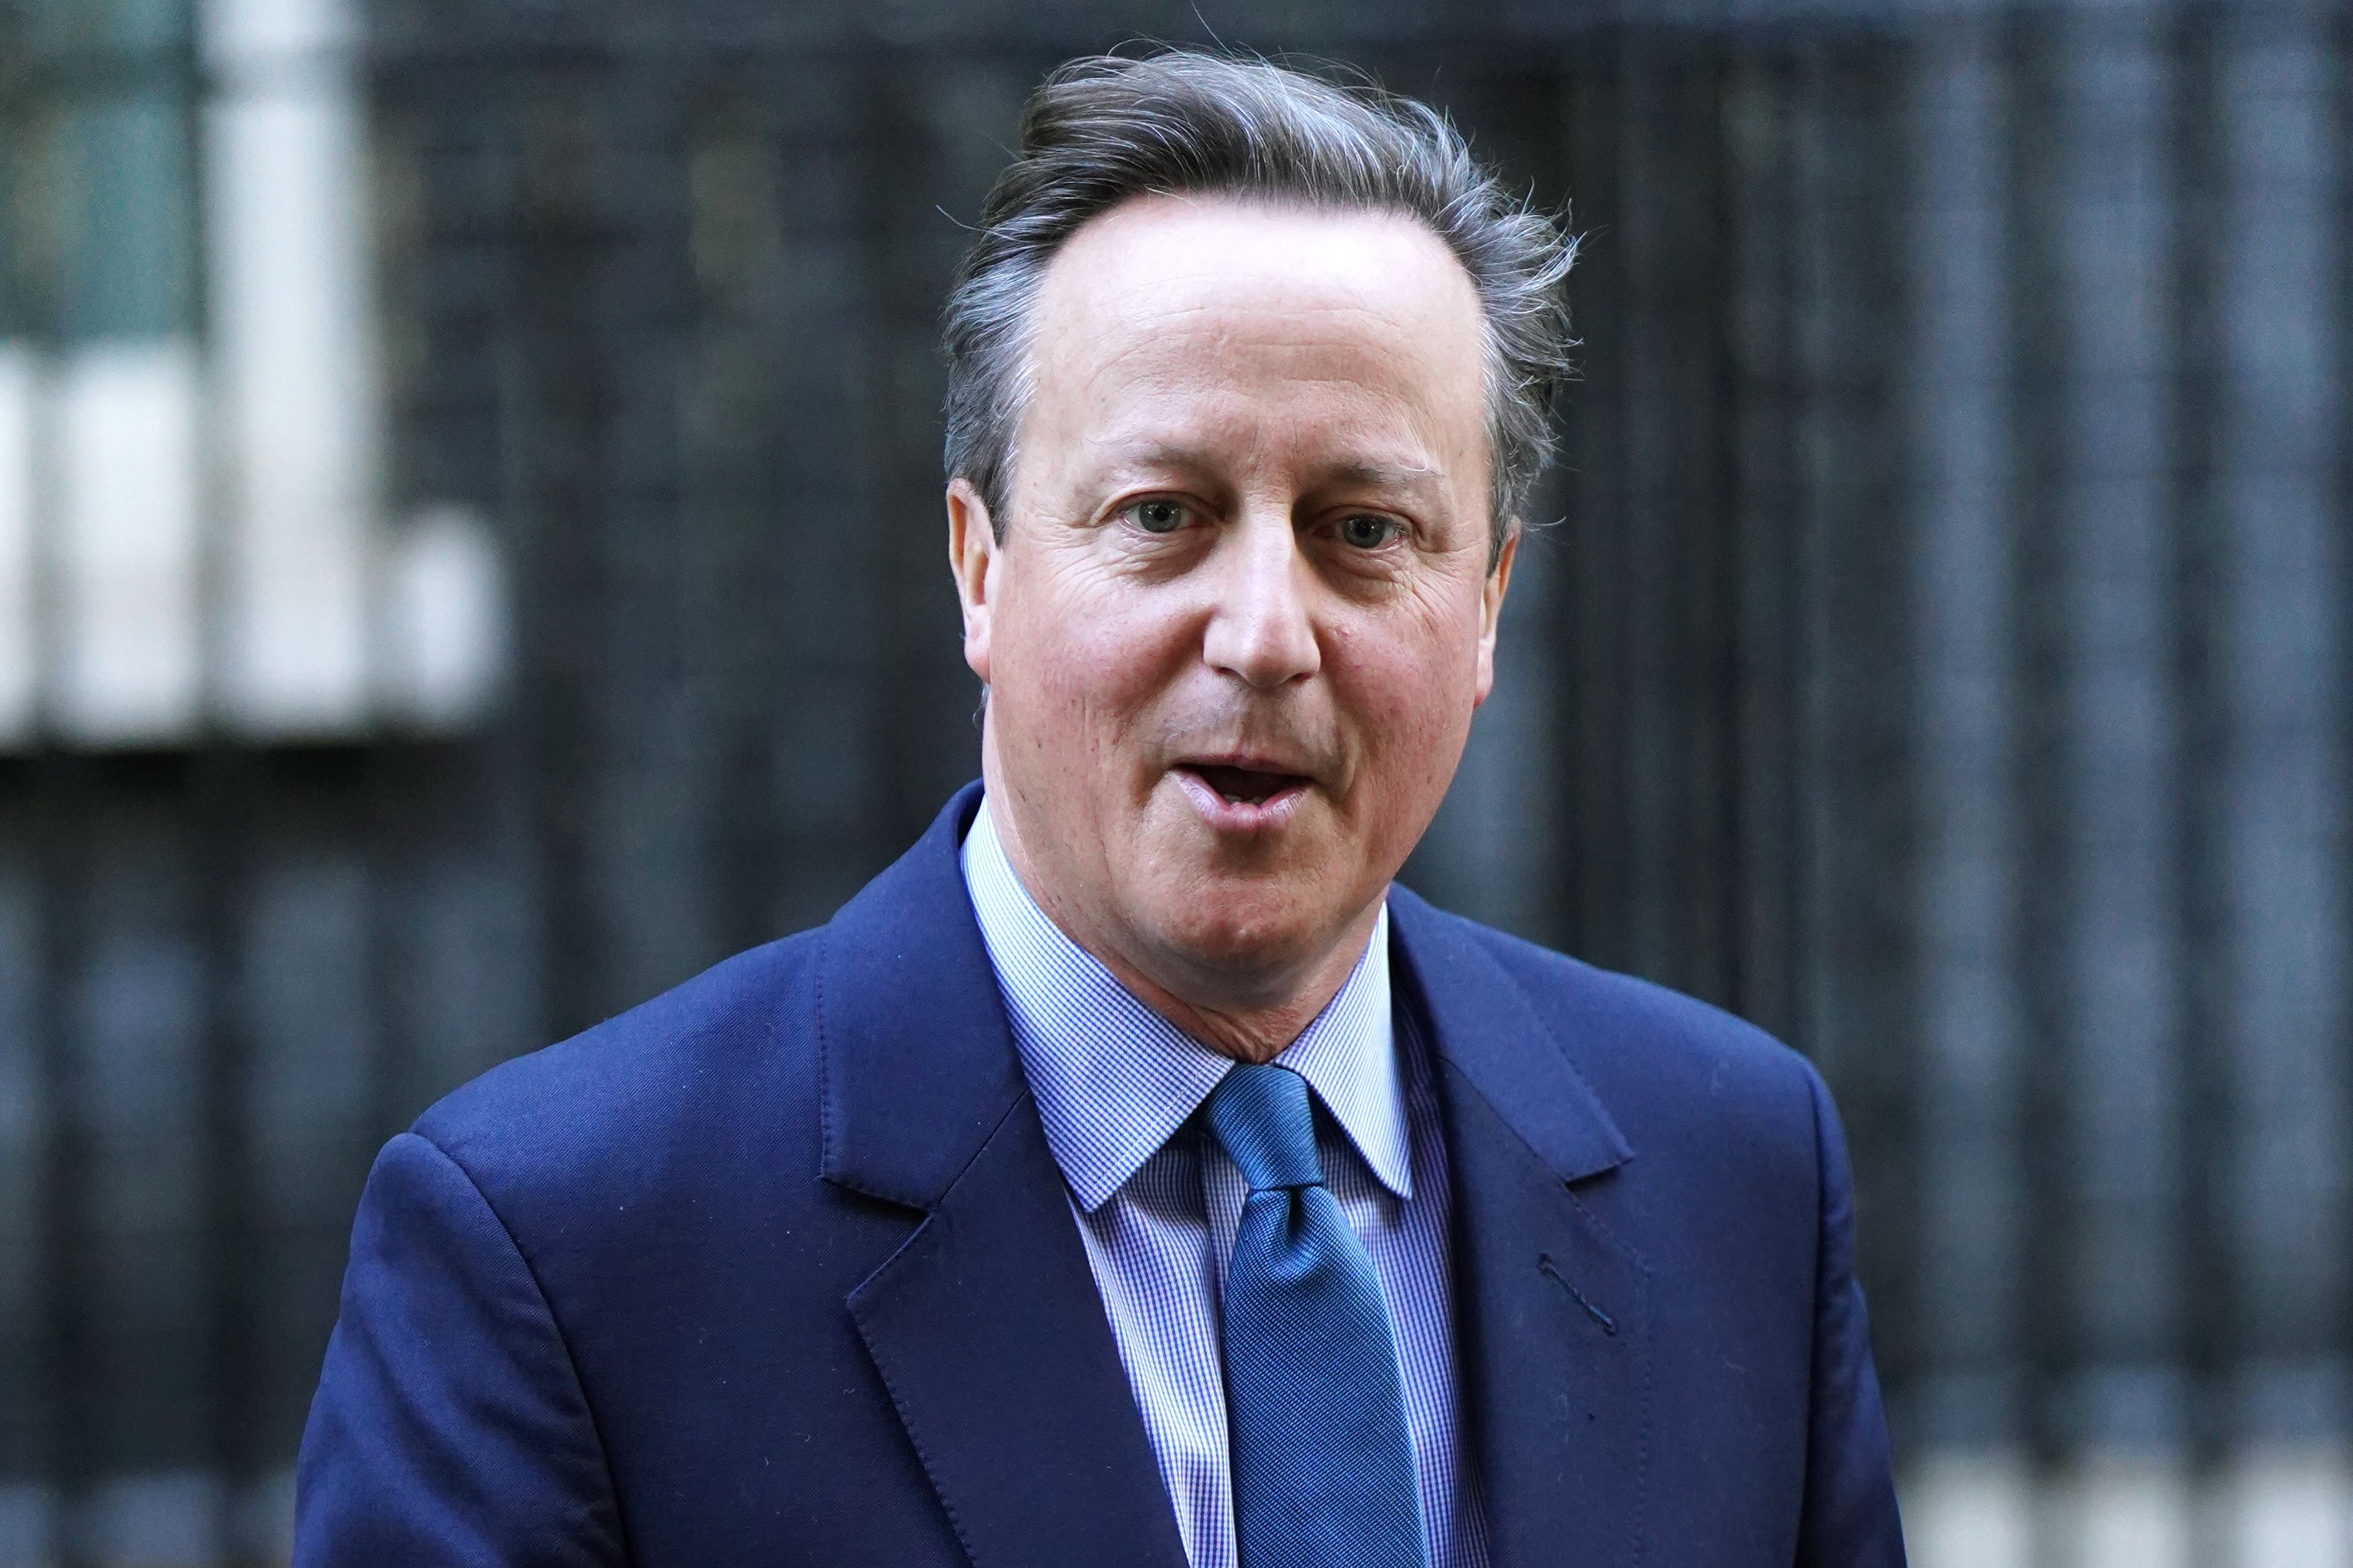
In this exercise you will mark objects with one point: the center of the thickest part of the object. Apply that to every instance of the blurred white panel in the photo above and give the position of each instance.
(2288, 1508)
(126, 419)
(1968, 1510)
(295, 368)
(239, 32)
(19, 632)
(443, 619)
(2121, 1511)
(2282, 1506)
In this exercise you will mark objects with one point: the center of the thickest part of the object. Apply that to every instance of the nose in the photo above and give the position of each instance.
(1262, 630)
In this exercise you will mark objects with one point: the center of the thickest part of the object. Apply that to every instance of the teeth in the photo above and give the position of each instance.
(1232, 799)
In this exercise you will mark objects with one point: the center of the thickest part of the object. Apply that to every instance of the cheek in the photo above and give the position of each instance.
(1411, 689)
(1078, 663)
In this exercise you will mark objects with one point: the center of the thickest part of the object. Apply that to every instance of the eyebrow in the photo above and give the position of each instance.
(1162, 455)
(1394, 476)
(1390, 475)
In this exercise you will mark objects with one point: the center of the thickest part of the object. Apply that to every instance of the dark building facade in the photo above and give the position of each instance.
(1933, 647)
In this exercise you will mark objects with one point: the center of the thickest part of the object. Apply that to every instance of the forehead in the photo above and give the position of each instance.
(1172, 310)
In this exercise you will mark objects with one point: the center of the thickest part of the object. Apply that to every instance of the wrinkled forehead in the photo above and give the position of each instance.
(1173, 320)
(1158, 258)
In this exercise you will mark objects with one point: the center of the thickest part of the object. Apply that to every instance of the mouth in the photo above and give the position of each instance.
(1234, 798)
(1244, 786)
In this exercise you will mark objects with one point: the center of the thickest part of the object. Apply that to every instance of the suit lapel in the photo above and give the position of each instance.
(1553, 1310)
(1554, 1351)
(989, 1331)
(990, 1335)
(985, 1324)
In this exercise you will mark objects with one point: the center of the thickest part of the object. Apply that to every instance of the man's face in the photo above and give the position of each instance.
(1243, 609)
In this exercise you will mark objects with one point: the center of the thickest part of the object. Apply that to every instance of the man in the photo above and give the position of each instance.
(1130, 1174)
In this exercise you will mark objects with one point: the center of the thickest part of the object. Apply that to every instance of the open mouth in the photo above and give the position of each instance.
(1244, 786)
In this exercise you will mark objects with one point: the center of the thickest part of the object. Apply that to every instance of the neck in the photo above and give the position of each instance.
(1251, 1031)
(1250, 1018)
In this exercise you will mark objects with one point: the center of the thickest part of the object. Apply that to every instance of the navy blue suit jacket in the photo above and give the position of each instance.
(777, 1269)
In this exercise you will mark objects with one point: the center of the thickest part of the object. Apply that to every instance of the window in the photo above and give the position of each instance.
(192, 536)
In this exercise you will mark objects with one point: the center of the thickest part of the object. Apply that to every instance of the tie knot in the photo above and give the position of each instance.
(1263, 1117)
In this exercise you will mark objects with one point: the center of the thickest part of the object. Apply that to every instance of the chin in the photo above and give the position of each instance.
(1240, 930)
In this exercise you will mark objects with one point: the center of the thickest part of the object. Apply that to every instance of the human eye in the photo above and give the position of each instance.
(1368, 531)
(1157, 514)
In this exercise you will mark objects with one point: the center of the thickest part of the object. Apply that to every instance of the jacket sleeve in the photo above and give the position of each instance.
(1851, 1519)
(450, 1426)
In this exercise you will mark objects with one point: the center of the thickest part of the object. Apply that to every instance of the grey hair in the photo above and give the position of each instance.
(1185, 121)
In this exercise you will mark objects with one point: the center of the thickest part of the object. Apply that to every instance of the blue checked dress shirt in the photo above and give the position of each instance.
(1156, 1202)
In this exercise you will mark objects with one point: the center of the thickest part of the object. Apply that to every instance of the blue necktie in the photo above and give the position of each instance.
(1322, 1465)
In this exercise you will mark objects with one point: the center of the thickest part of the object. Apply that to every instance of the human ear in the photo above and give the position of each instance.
(972, 557)
(1491, 610)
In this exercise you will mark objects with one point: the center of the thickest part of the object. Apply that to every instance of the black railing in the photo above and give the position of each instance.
(1936, 646)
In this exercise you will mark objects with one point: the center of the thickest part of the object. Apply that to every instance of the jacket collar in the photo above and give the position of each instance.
(917, 1061)
(1553, 1312)
(985, 1323)
(918, 1070)
(1114, 1081)
(1484, 1027)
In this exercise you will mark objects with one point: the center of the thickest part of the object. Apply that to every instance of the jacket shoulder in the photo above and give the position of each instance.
(1676, 1072)
(613, 1106)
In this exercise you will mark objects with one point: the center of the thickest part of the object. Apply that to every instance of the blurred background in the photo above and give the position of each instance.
(471, 555)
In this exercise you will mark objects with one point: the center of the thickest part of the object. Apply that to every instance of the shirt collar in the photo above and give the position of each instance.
(1114, 1080)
